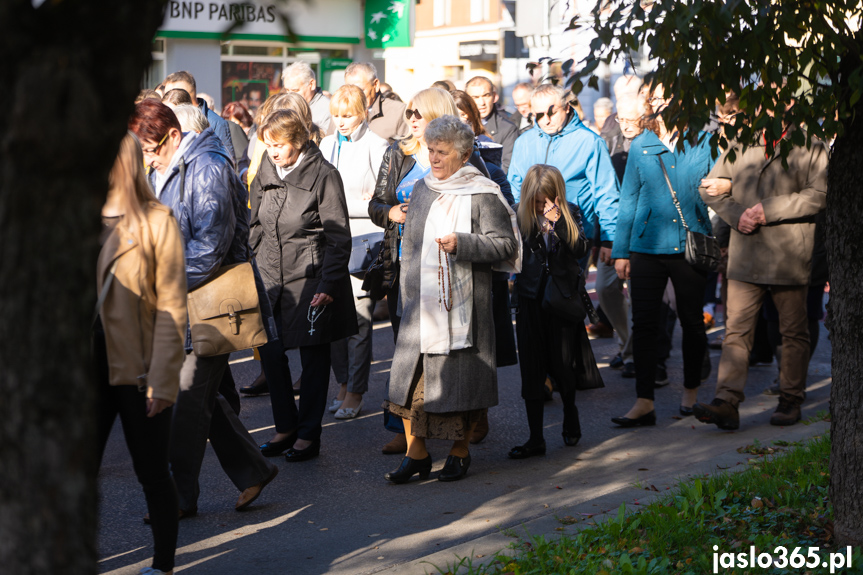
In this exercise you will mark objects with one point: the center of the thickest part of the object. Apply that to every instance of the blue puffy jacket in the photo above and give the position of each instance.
(648, 222)
(212, 214)
(221, 128)
(582, 157)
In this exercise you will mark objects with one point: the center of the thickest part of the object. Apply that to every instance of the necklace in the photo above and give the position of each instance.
(443, 289)
(313, 315)
(549, 225)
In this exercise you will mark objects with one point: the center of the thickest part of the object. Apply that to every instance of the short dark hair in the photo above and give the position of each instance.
(182, 76)
(152, 120)
(177, 97)
(466, 104)
(444, 85)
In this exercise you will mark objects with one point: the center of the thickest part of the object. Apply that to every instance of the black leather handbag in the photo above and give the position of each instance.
(364, 251)
(702, 251)
(564, 302)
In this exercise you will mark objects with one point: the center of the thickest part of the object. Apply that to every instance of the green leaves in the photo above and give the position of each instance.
(794, 54)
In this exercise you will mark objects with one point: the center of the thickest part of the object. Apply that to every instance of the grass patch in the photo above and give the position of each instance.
(781, 500)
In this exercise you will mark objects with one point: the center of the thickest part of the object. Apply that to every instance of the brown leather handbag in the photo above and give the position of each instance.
(225, 314)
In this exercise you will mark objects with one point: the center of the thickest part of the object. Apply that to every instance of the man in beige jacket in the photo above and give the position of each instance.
(771, 211)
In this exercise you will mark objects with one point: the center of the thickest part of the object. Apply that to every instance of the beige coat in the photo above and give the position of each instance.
(779, 253)
(144, 313)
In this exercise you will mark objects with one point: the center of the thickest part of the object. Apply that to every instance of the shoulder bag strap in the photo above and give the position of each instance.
(673, 195)
(182, 165)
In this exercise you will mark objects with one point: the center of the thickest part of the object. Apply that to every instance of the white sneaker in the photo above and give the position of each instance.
(349, 412)
(337, 403)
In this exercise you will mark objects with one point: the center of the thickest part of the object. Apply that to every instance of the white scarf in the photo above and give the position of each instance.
(442, 331)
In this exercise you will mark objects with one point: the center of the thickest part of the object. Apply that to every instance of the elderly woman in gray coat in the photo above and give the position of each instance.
(443, 375)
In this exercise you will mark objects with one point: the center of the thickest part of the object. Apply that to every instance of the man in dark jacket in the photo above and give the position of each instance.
(185, 81)
(523, 118)
(192, 174)
(496, 124)
(386, 116)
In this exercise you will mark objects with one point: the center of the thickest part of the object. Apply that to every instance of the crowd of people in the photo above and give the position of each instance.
(473, 213)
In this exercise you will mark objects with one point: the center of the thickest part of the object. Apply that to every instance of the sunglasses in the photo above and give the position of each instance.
(540, 115)
(409, 113)
(154, 151)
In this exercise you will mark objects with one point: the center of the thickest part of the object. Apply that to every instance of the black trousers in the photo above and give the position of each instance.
(649, 275)
(315, 363)
(147, 439)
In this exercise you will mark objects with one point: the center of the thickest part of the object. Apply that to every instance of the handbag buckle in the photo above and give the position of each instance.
(234, 320)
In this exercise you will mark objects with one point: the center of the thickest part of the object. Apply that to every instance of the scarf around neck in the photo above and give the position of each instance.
(442, 331)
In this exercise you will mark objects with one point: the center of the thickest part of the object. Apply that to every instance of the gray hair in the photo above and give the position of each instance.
(604, 104)
(365, 68)
(299, 70)
(523, 86)
(191, 118)
(558, 92)
(450, 129)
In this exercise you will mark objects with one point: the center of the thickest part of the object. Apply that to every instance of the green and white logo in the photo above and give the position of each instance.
(388, 23)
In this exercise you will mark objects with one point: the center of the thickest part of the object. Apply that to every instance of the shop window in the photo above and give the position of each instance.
(453, 73)
(477, 10)
(442, 9)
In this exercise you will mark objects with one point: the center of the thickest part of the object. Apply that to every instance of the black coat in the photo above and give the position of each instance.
(301, 237)
(504, 133)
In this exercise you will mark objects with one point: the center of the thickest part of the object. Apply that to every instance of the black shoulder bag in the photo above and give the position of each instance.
(702, 251)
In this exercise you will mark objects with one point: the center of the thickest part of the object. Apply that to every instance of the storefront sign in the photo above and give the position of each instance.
(479, 50)
(307, 19)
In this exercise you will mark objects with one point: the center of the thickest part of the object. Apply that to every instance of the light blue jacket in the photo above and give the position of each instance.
(582, 157)
(647, 221)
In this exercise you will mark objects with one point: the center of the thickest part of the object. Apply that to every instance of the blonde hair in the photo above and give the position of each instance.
(544, 180)
(432, 103)
(129, 186)
(285, 126)
(349, 100)
(289, 101)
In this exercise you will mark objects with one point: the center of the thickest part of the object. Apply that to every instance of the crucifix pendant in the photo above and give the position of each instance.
(312, 331)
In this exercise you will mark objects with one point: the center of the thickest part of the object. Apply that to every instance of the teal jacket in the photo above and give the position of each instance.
(647, 221)
(582, 157)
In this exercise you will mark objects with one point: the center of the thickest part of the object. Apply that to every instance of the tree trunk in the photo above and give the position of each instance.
(70, 71)
(844, 248)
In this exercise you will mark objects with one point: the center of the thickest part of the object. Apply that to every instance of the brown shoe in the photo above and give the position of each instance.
(719, 412)
(787, 413)
(481, 429)
(599, 330)
(399, 445)
(250, 494)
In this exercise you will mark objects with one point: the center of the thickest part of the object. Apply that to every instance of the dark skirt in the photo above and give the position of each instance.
(454, 426)
(546, 346)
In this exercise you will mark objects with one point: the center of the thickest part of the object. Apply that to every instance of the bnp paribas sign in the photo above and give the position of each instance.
(318, 18)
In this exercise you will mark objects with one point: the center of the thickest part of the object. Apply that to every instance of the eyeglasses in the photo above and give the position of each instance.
(627, 122)
(409, 113)
(154, 151)
(656, 100)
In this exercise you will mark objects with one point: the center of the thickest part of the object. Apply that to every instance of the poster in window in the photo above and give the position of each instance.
(250, 82)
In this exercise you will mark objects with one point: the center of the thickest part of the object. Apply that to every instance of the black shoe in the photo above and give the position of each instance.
(312, 451)
(685, 411)
(273, 448)
(628, 370)
(455, 468)
(706, 366)
(644, 420)
(258, 387)
(661, 379)
(719, 412)
(760, 360)
(527, 450)
(410, 467)
(571, 440)
(182, 514)
(716, 343)
(616, 362)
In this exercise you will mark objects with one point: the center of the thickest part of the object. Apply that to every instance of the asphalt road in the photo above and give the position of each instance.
(337, 514)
